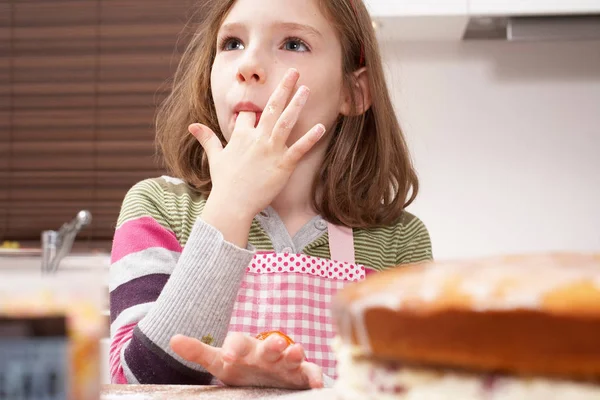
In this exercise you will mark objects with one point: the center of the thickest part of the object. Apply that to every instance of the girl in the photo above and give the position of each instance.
(292, 179)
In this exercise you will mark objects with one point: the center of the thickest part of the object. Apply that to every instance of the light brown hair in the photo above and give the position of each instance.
(367, 177)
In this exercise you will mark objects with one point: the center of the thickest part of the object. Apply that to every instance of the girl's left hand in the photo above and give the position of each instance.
(247, 361)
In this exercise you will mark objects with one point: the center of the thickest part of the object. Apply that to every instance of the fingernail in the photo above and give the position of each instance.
(303, 93)
(292, 72)
(320, 130)
(277, 341)
(194, 129)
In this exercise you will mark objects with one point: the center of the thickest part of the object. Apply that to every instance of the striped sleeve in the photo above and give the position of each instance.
(415, 244)
(158, 289)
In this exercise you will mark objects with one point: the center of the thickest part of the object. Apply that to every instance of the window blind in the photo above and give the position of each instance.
(79, 84)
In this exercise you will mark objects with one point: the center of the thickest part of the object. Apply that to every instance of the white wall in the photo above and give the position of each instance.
(506, 140)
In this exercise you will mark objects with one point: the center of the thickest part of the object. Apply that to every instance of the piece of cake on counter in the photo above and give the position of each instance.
(515, 327)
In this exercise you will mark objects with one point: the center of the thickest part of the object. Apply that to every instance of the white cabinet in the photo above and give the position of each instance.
(447, 20)
(532, 7)
(419, 19)
(406, 8)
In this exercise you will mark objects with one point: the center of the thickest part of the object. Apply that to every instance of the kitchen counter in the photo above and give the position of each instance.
(167, 392)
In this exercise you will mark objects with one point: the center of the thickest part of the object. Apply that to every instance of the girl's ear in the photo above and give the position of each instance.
(362, 94)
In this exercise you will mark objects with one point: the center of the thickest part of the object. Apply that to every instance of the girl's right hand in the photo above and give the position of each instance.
(256, 164)
(247, 361)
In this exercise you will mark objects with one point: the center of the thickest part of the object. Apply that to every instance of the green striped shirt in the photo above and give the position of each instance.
(176, 206)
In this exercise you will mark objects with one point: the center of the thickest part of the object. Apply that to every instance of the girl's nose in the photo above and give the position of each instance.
(251, 70)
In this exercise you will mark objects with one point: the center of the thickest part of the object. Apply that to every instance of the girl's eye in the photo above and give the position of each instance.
(295, 44)
(231, 43)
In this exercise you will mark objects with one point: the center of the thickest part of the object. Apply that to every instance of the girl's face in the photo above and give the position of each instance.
(258, 42)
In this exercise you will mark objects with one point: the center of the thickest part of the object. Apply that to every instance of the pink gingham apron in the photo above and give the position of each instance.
(292, 293)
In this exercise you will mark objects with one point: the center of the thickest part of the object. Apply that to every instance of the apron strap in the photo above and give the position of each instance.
(341, 243)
